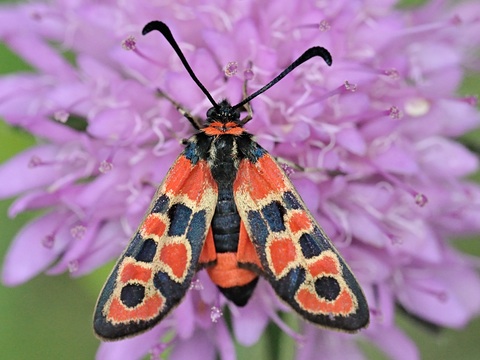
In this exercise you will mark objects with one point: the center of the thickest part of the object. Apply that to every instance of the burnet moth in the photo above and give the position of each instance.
(226, 206)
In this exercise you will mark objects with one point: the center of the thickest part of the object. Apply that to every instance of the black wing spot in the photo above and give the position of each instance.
(165, 285)
(147, 251)
(291, 201)
(327, 287)
(179, 216)
(161, 205)
(196, 231)
(309, 246)
(258, 227)
(132, 295)
(273, 214)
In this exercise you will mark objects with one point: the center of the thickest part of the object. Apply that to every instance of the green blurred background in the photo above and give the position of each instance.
(50, 317)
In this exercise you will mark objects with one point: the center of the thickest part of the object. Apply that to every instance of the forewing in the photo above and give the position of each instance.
(298, 259)
(156, 270)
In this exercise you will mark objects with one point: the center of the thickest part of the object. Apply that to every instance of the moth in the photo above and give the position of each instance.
(226, 206)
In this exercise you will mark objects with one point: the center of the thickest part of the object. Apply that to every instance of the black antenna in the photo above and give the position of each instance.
(160, 26)
(307, 55)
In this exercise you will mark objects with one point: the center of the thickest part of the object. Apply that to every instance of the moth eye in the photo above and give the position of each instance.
(210, 112)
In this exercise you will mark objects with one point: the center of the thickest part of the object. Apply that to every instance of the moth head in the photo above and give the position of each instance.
(223, 112)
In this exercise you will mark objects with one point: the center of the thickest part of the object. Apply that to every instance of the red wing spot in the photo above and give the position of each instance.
(195, 185)
(153, 225)
(175, 256)
(260, 179)
(178, 174)
(299, 221)
(326, 265)
(150, 308)
(191, 180)
(208, 254)
(282, 254)
(135, 272)
(310, 302)
(246, 253)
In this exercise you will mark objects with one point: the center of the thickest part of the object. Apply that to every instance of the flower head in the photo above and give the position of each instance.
(376, 134)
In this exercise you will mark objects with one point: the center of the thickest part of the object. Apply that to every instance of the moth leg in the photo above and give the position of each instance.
(193, 120)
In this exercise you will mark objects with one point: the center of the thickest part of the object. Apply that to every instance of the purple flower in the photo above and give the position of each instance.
(376, 133)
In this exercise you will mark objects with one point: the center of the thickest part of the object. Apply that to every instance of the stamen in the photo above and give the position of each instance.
(395, 113)
(158, 349)
(470, 100)
(129, 43)
(377, 313)
(61, 116)
(420, 199)
(48, 241)
(215, 314)
(289, 171)
(345, 88)
(435, 26)
(392, 73)
(72, 266)
(248, 74)
(298, 338)
(196, 285)
(105, 166)
(441, 295)
(394, 239)
(78, 232)
(324, 26)
(231, 68)
(350, 87)
(35, 161)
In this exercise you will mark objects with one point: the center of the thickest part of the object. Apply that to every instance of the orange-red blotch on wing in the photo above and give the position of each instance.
(131, 271)
(246, 253)
(282, 254)
(208, 254)
(226, 272)
(299, 221)
(188, 179)
(176, 257)
(218, 128)
(147, 310)
(260, 179)
(309, 301)
(153, 225)
(327, 264)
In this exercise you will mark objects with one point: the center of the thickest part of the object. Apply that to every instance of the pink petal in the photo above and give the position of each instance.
(395, 344)
(28, 255)
(130, 349)
(41, 55)
(199, 346)
(28, 178)
(442, 157)
(395, 159)
(250, 321)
